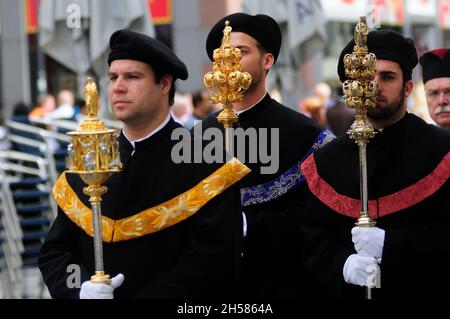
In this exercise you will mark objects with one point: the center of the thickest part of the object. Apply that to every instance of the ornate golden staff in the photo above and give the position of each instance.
(360, 92)
(94, 155)
(226, 83)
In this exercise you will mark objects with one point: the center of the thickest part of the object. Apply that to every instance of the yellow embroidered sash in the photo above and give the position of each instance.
(152, 219)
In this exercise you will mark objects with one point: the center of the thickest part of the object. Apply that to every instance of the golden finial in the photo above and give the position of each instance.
(94, 147)
(227, 82)
(91, 123)
(360, 91)
(91, 98)
(361, 32)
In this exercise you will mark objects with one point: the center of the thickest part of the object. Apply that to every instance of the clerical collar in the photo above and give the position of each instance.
(156, 130)
(240, 112)
(395, 125)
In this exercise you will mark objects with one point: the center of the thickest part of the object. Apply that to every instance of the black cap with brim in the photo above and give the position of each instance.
(435, 64)
(261, 27)
(386, 45)
(126, 44)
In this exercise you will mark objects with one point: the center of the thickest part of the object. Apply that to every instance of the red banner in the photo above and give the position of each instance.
(31, 15)
(161, 11)
(391, 11)
(444, 13)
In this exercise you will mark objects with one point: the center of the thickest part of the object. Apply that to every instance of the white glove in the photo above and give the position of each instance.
(91, 290)
(368, 241)
(361, 270)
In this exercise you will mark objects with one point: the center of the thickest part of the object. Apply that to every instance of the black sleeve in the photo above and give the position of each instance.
(415, 256)
(61, 249)
(272, 261)
(209, 266)
(328, 244)
(415, 246)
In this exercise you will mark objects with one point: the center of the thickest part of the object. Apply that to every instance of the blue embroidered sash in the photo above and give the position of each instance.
(292, 177)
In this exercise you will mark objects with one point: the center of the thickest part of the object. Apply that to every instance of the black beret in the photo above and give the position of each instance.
(126, 44)
(435, 64)
(263, 28)
(386, 45)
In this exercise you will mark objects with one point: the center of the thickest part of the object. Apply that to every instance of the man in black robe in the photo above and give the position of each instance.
(169, 230)
(408, 165)
(272, 194)
(436, 79)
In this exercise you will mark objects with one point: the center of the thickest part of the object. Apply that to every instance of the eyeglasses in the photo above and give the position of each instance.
(435, 94)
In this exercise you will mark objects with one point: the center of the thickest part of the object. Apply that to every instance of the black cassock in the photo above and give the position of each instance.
(273, 202)
(197, 257)
(409, 197)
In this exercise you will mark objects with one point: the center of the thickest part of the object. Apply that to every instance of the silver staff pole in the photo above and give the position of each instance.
(360, 93)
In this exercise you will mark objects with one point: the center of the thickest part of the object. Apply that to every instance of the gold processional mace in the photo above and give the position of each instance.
(226, 83)
(360, 93)
(94, 155)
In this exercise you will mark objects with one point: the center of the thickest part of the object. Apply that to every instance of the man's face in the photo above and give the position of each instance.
(391, 91)
(134, 96)
(437, 92)
(252, 59)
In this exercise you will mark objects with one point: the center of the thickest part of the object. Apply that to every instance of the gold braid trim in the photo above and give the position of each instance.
(152, 219)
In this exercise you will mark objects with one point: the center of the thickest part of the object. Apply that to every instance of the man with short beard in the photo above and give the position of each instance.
(436, 78)
(408, 166)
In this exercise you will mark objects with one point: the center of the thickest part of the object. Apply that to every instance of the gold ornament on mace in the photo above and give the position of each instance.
(227, 82)
(94, 155)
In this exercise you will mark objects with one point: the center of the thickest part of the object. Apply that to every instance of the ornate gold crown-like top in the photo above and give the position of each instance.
(94, 148)
(360, 91)
(227, 81)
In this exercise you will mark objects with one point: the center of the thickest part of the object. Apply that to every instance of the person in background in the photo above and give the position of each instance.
(436, 78)
(21, 112)
(314, 106)
(65, 106)
(201, 108)
(339, 116)
(46, 104)
(323, 91)
(181, 109)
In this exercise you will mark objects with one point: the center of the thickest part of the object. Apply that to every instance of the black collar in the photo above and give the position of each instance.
(259, 107)
(126, 148)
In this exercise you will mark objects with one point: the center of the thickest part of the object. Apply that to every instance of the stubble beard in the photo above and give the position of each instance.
(388, 110)
(253, 85)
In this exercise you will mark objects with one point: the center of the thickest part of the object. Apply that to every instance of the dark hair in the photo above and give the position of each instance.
(262, 51)
(197, 98)
(260, 48)
(21, 109)
(160, 71)
(407, 75)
